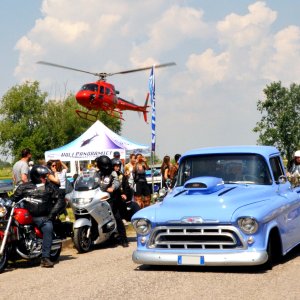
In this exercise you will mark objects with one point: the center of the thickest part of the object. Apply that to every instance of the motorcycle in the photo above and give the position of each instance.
(20, 237)
(94, 219)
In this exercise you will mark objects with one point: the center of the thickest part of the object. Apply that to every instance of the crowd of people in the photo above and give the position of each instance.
(126, 184)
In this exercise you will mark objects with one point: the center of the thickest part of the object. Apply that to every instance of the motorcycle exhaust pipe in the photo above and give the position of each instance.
(27, 256)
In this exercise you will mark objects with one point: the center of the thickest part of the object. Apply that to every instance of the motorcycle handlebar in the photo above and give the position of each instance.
(31, 200)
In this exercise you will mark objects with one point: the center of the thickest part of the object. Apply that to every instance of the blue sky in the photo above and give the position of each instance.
(226, 52)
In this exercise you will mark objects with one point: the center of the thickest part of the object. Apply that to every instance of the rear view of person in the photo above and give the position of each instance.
(142, 190)
(174, 170)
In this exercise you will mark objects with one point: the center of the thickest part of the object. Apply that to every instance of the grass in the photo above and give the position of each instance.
(6, 173)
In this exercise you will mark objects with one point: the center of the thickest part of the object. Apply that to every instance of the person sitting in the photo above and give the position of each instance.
(44, 212)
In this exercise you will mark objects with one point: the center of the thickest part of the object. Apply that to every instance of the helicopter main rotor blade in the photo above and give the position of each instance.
(104, 75)
(143, 69)
(64, 67)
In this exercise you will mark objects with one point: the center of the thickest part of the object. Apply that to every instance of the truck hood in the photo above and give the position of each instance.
(207, 207)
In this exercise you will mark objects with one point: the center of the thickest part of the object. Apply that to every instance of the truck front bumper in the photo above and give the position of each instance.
(204, 259)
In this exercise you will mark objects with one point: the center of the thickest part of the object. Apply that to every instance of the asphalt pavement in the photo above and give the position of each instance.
(108, 272)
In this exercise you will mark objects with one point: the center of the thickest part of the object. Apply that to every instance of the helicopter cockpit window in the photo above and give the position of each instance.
(107, 91)
(101, 89)
(90, 87)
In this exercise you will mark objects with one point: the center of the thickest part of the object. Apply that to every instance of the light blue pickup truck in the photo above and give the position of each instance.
(230, 206)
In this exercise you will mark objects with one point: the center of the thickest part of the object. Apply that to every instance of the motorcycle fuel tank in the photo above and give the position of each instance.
(23, 216)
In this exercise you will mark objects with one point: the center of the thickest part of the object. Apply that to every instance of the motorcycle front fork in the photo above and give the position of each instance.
(6, 232)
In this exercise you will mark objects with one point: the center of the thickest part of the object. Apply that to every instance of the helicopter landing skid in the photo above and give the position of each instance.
(115, 114)
(87, 116)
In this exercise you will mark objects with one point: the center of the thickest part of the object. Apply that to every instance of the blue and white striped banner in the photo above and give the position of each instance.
(152, 98)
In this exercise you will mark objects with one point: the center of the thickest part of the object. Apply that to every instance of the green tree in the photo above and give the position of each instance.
(21, 111)
(280, 122)
(28, 120)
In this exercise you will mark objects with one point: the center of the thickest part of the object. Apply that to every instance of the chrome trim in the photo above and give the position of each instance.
(242, 258)
(196, 237)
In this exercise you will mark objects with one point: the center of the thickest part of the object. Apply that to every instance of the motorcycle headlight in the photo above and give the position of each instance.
(3, 211)
(142, 226)
(248, 225)
(82, 201)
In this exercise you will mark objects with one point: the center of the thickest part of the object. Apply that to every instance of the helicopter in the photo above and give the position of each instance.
(101, 95)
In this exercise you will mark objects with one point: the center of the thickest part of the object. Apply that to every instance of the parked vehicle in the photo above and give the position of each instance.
(157, 178)
(230, 206)
(20, 237)
(95, 222)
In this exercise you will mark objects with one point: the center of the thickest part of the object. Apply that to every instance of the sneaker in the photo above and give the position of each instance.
(46, 263)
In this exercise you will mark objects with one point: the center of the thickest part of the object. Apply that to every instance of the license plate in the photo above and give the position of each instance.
(190, 260)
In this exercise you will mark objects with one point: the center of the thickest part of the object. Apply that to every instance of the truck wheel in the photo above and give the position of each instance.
(273, 250)
(81, 241)
(3, 260)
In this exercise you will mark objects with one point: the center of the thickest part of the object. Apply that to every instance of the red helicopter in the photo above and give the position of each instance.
(101, 95)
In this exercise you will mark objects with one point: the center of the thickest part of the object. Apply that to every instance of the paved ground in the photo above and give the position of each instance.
(109, 273)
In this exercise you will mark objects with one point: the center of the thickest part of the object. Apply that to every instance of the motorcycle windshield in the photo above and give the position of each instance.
(87, 181)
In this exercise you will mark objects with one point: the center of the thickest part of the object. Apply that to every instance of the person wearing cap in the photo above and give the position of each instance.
(117, 155)
(294, 169)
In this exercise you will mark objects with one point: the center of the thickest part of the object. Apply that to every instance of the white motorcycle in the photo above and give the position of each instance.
(95, 222)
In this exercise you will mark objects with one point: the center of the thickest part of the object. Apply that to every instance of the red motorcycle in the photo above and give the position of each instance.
(19, 236)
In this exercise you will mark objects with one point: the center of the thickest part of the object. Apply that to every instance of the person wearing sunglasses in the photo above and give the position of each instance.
(53, 175)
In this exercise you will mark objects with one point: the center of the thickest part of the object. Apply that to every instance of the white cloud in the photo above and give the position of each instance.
(176, 25)
(241, 31)
(284, 63)
(209, 67)
(60, 31)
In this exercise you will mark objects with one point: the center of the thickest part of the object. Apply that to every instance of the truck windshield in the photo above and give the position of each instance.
(232, 168)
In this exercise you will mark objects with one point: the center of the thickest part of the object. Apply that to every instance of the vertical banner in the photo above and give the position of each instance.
(153, 120)
(152, 98)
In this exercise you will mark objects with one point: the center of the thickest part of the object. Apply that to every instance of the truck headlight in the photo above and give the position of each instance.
(142, 226)
(248, 225)
(3, 211)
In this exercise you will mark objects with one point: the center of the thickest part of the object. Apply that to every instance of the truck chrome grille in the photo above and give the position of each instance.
(196, 237)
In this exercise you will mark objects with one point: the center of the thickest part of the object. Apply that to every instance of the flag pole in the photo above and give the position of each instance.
(153, 122)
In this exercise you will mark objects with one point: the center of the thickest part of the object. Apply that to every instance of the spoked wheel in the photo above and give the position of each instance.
(82, 242)
(3, 259)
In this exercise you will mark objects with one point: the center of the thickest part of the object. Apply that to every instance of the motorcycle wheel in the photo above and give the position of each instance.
(54, 254)
(3, 260)
(81, 241)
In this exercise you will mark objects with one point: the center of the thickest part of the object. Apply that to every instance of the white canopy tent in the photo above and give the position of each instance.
(96, 141)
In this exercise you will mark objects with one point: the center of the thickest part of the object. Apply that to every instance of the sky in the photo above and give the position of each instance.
(226, 52)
